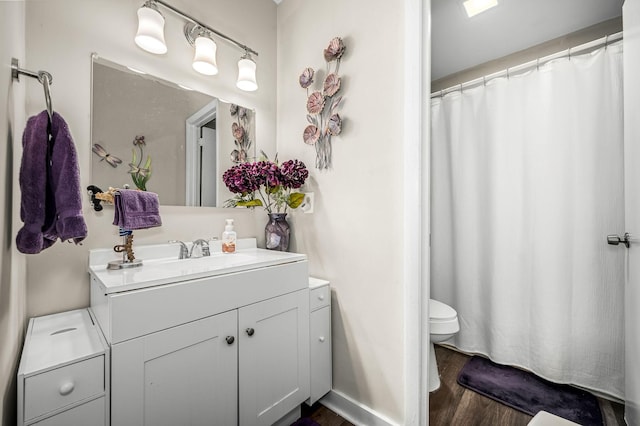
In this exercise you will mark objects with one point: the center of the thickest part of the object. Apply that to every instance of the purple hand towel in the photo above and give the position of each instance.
(51, 204)
(136, 209)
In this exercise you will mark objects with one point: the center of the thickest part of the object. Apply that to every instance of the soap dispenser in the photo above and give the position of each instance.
(229, 238)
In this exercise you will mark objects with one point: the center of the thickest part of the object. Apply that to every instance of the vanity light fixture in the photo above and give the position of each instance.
(204, 60)
(247, 73)
(474, 7)
(150, 37)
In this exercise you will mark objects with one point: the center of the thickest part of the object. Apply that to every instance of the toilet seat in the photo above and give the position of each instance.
(443, 319)
(439, 311)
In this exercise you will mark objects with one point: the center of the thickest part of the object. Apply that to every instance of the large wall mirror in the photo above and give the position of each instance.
(163, 137)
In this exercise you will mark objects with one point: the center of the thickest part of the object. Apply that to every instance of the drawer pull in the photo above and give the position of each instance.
(66, 388)
(321, 297)
(250, 331)
(230, 340)
(321, 338)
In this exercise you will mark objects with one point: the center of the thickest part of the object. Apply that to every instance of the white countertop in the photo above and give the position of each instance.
(164, 269)
(58, 339)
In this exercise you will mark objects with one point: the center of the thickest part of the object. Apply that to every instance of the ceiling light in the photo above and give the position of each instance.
(150, 35)
(247, 74)
(473, 7)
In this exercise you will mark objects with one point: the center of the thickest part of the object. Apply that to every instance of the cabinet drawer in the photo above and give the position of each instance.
(91, 413)
(62, 386)
(319, 297)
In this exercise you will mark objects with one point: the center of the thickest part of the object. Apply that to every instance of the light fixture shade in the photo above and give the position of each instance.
(150, 35)
(247, 75)
(204, 60)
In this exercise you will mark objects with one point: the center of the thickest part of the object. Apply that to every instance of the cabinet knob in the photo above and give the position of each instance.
(321, 297)
(230, 340)
(250, 331)
(321, 338)
(66, 388)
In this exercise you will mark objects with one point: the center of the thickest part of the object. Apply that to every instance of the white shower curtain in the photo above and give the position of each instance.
(527, 181)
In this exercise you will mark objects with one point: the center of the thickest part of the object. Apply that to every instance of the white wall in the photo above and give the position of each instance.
(355, 236)
(12, 266)
(530, 53)
(60, 37)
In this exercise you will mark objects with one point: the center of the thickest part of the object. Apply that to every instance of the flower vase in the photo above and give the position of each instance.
(277, 232)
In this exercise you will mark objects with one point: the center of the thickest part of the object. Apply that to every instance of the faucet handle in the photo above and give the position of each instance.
(184, 251)
(204, 247)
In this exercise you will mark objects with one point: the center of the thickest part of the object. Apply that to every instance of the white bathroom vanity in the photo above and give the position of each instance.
(218, 340)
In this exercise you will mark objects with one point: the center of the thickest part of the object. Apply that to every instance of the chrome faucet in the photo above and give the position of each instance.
(184, 250)
(204, 245)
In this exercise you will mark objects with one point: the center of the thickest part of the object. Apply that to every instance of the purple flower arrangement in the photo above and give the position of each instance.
(265, 184)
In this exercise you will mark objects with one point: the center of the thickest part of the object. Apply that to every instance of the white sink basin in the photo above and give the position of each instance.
(159, 269)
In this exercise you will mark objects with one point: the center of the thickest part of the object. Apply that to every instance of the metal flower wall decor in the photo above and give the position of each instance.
(324, 121)
(241, 137)
(140, 174)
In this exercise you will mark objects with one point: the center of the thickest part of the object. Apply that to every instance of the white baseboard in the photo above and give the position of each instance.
(353, 411)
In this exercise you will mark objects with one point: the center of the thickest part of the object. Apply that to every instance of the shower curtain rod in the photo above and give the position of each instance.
(507, 72)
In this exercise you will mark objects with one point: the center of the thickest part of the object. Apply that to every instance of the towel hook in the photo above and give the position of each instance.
(43, 77)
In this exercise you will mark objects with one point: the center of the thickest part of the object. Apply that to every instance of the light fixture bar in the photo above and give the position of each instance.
(206, 27)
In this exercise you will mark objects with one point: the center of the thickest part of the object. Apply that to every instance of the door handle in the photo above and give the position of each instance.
(615, 239)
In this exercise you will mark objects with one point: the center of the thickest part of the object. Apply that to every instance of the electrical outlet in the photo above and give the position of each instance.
(307, 203)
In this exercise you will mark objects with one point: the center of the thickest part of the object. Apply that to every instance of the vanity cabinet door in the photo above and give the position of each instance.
(185, 375)
(320, 357)
(273, 358)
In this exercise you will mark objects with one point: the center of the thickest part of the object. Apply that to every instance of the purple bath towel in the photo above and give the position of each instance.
(136, 209)
(51, 204)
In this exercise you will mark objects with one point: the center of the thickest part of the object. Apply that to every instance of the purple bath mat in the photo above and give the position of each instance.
(529, 393)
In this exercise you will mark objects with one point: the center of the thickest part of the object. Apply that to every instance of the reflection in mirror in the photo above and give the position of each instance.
(158, 136)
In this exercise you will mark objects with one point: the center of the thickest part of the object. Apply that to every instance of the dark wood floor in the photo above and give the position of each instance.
(323, 416)
(452, 404)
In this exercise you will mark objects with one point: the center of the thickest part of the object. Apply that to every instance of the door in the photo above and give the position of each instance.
(631, 22)
(186, 375)
(274, 358)
(208, 168)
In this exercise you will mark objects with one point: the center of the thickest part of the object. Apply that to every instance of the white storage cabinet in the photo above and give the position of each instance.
(320, 339)
(62, 378)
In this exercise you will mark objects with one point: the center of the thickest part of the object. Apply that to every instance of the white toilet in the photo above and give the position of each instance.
(443, 324)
